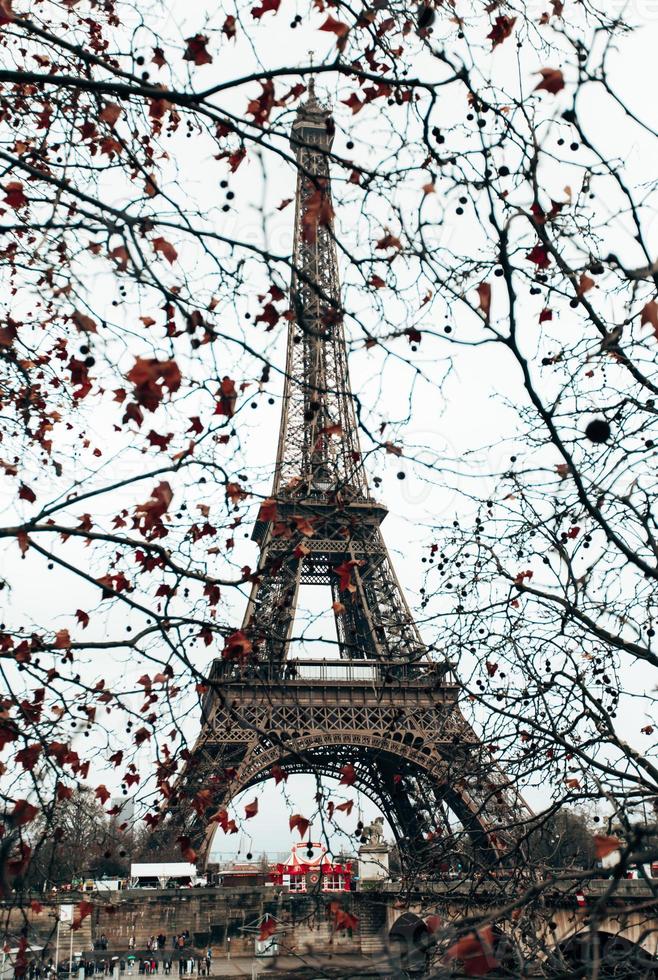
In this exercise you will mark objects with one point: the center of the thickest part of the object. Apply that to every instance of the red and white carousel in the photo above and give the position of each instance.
(309, 869)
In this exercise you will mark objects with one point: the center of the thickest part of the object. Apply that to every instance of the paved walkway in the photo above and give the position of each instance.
(304, 966)
(345, 966)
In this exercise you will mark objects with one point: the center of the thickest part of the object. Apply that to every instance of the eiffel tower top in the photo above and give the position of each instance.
(314, 123)
(319, 456)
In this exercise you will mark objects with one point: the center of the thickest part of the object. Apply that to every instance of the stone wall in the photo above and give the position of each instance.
(222, 917)
(227, 918)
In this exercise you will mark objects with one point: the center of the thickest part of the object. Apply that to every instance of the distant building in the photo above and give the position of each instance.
(306, 868)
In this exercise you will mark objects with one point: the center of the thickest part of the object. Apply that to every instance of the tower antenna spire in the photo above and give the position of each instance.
(311, 80)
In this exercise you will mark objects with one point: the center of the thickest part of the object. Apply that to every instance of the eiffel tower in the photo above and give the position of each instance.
(383, 715)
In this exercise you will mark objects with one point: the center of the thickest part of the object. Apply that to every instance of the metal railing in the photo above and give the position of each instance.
(333, 672)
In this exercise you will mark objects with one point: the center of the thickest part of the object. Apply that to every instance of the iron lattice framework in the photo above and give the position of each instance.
(384, 706)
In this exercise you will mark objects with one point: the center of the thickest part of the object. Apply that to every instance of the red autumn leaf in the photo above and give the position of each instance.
(335, 429)
(475, 952)
(251, 809)
(237, 647)
(186, 849)
(84, 322)
(110, 113)
(227, 397)
(23, 813)
(267, 511)
(318, 211)
(354, 103)
(116, 759)
(502, 28)
(647, 730)
(389, 241)
(228, 28)
(336, 27)
(62, 640)
(121, 256)
(36, 907)
(159, 58)
(162, 442)
(26, 493)
(346, 807)
(196, 50)
(305, 526)
(267, 928)
(347, 774)
(149, 377)
(166, 248)
(236, 158)
(279, 774)
(150, 514)
(266, 5)
(539, 256)
(82, 910)
(344, 573)
(8, 335)
(604, 845)
(6, 13)
(649, 314)
(491, 668)
(484, 293)
(552, 80)
(14, 196)
(545, 315)
(269, 315)
(342, 918)
(377, 282)
(433, 923)
(585, 283)
(297, 821)
(102, 793)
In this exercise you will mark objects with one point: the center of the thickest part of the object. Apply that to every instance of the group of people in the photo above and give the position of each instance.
(188, 965)
(178, 941)
(36, 969)
(45, 970)
(104, 966)
(126, 965)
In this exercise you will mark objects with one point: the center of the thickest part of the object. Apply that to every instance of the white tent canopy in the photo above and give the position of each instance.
(163, 869)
